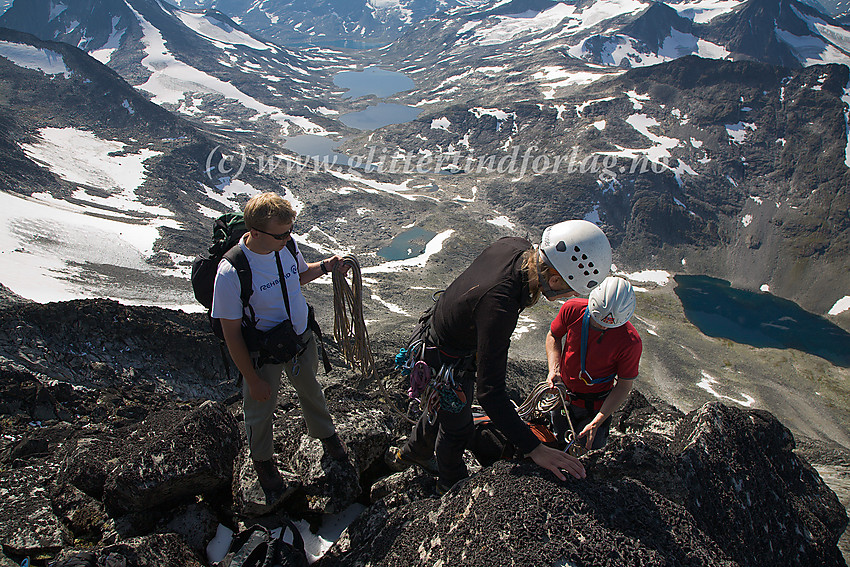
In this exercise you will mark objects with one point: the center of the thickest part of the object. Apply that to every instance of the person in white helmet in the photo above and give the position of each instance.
(594, 350)
(468, 336)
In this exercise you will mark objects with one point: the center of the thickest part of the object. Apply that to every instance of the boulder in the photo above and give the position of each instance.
(751, 493)
(178, 457)
(196, 523)
(155, 550)
(86, 462)
(28, 524)
(522, 512)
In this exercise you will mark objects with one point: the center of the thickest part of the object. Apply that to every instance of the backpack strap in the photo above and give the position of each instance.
(237, 258)
(583, 374)
(239, 261)
(312, 324)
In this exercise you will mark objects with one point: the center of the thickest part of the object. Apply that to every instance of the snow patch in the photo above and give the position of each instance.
(659, 277)
(708, 383)
(703, 11)
(502, 221)
(747, 220)
(441, 124)
(30, 57)
(738, 132)
(104, 53)
(218, 32)
(171, 80)
(81, 157)
(392, 307)
(840, 306)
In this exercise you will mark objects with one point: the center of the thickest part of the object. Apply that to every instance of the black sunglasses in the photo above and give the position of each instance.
(281, 236)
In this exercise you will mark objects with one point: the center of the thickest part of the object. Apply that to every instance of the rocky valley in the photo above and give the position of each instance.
(705, 139)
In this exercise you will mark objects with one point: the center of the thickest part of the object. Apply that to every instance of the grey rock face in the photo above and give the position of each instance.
(27, 521)
(193, 456)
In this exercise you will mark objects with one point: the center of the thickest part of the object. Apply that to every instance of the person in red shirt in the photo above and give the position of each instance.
(599, 380)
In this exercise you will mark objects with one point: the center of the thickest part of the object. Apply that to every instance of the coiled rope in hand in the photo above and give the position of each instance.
(542, 400)
(349, 326)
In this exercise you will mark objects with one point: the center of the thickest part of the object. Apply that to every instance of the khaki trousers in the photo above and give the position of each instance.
(259, 416)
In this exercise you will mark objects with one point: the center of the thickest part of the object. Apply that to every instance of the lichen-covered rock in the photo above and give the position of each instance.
(196, 523)
(752, 493)
(28, 525)
(178, 459)
(87, 462)
(720, 486)
(331, 486)
(522, 515)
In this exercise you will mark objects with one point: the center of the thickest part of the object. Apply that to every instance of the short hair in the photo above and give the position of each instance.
(266, 207)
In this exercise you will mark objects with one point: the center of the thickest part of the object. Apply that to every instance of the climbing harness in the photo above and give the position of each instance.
(434, 389)
(443, 391)
(349, 326)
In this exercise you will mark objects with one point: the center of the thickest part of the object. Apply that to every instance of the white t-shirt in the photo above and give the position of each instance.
(267, 299)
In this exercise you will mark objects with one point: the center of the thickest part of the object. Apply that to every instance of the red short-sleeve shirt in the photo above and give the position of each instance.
(611, 351)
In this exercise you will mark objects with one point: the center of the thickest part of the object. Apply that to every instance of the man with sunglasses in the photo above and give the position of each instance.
(594, 350)
(269, 220)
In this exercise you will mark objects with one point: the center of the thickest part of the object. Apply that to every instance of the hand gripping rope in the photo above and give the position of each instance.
(349, 326)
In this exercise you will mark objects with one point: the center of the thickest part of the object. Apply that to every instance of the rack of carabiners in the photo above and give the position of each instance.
(543, 400)
(432, 391)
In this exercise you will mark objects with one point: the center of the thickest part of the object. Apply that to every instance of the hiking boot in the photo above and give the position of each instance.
(399, 460)
(335, 448)
(269, 476)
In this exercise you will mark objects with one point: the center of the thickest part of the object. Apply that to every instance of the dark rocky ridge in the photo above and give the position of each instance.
(97, 457)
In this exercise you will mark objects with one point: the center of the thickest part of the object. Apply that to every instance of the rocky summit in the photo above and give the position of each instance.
(119, 442)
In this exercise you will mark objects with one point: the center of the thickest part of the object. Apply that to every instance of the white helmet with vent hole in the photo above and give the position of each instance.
(579, 251)
(612, 303)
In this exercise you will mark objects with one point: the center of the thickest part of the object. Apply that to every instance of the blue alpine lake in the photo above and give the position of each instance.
(403, 247)
(759, 319)
(380, 115)
(320, 148)
(373, 81)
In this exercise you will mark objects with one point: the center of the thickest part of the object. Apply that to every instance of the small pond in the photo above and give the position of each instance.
(408, 244)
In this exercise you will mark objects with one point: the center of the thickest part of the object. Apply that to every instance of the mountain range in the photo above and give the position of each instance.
(704, 137)
(724, 127)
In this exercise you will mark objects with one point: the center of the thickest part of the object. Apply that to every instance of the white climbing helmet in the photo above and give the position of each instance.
(579, 251)
(612, 303)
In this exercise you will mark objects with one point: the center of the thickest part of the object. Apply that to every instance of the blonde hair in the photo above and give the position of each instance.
(266, 207)
(531, 265)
